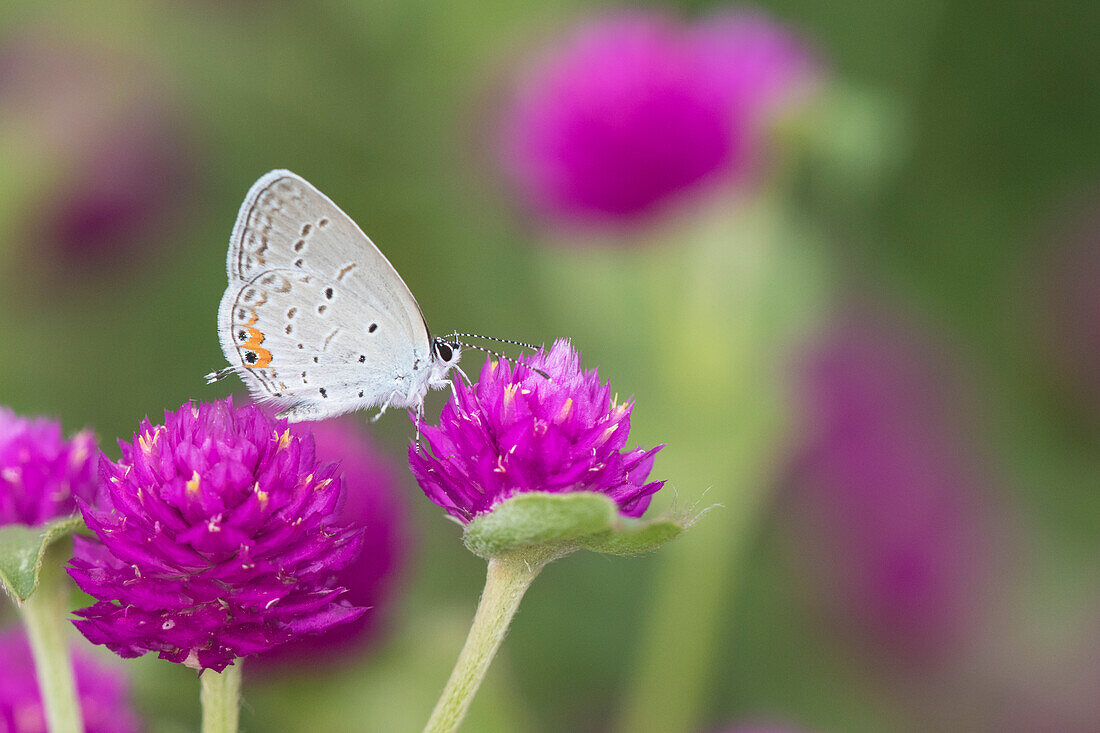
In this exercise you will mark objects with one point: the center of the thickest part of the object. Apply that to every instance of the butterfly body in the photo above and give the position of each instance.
(315, 319)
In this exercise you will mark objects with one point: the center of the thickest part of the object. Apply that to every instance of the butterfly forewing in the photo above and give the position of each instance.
(285, 222)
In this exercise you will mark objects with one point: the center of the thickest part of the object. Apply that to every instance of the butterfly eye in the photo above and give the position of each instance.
(443, 350)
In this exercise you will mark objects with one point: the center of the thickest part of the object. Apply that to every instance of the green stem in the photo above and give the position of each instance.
(44, 617)
(508, 577)
(732, 421)
(221, 699)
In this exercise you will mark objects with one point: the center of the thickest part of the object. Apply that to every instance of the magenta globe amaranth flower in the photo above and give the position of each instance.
(617, 120)
(635, 110)
(375, 505)
(101, 691)
(518, 430)
(41, 473)
(217, 538)
(532, 462)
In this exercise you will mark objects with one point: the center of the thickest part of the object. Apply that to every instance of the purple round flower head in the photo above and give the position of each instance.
(890, 491)
(41, 473)
(634, 111)
(516, 430)
(217, 538)
(100, 688)
(375, 506)
(618, 120)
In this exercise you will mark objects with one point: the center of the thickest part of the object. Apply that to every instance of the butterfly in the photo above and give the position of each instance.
(315, 319)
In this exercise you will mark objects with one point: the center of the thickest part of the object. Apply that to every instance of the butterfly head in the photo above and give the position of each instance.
(446, 355)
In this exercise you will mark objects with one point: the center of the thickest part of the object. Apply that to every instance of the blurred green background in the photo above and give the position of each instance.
(954, 150)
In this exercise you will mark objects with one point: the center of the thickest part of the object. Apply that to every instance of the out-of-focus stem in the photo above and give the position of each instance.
(748, 296)
(43, 616)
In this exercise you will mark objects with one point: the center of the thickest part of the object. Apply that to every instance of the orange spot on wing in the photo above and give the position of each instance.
(253, 344)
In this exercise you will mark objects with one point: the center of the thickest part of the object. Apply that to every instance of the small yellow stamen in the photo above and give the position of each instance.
(509, 397)
(566, 410)
(148, 445)
(80, 449)
(284, 439)
(607, 434)
(193, 484)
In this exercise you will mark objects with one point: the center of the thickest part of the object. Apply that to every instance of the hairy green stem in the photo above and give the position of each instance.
(44, 619)
(508, 577)
(221, 699)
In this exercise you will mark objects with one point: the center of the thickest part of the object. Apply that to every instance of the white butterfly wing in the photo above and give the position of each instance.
(315, 318)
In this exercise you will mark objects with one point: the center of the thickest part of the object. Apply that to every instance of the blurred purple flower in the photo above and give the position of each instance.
(101, 689)
(516, 430)
(375, 506)
(217, 539)
(41, 473)
(130, 187)
(889, 489)
(634, 110)
(759, 65)
(122, 164)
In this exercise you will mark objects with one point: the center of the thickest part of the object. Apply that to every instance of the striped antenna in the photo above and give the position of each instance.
(524, 344)
(498, 354)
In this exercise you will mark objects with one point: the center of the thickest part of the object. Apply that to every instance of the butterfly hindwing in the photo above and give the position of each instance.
(301, 339)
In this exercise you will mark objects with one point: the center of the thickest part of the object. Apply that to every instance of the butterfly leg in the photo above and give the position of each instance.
(419, 416)
(385, 406)
(219, 375)
(376, 417)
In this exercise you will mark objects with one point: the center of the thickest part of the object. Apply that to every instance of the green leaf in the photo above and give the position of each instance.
(562, 523)
(634, 537)
(22, 549)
